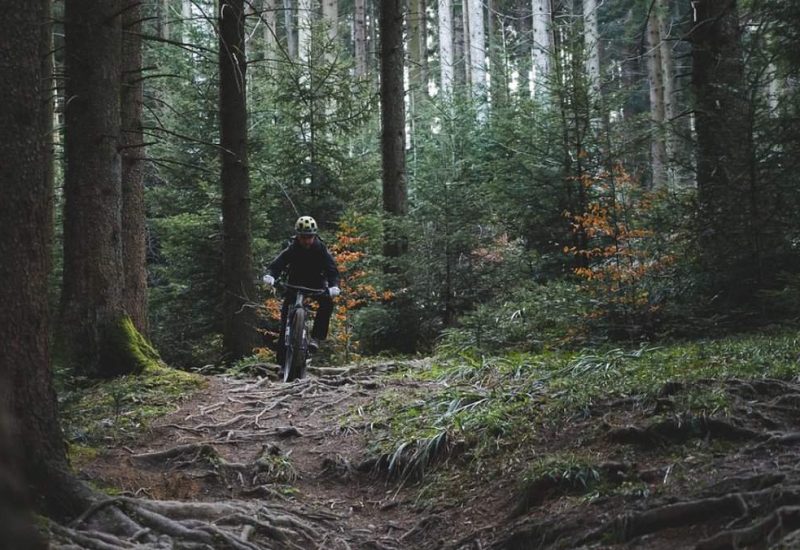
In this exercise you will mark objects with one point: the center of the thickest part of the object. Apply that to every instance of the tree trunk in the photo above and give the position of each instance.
(360, 37)
(270, 19)
(134, 236)
(542, 46)
(289, 27)
(395, 203)
(416, 52)
(446, 48)
(164, 19)
(26, 387)
(330, 14)
(239, 335)
(591, 33)
(727, 196)
(668, 78)
(477, 55)
(92, 304)
(305, 16)
(655, 76)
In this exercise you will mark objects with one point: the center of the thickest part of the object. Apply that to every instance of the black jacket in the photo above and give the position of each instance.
(313, 267)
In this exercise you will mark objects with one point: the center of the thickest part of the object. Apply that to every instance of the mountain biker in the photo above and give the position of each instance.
(309, 264)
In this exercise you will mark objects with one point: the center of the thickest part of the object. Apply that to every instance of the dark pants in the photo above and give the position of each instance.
(322, 319)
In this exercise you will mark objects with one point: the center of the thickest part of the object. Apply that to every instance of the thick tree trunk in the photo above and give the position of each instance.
(395, 204)
(727, 196)
(360, 37)
(239, 335)
(446, 59)
(26, 388)
(91, 304)
(134, 238)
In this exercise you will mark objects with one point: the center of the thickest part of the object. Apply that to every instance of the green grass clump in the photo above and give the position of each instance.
(485, 404)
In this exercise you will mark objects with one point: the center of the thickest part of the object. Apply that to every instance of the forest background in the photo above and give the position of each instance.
(492, 176)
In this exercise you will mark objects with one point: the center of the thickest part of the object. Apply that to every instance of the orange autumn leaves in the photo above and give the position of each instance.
(618, 257)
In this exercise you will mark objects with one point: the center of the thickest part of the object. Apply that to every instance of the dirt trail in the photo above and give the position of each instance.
(289, 444)
(290, 466)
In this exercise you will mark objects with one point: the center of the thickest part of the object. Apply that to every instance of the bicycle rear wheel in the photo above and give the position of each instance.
(295, 364)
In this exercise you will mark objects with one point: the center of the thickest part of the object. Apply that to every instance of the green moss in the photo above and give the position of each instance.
(125, 350)
(122, 407)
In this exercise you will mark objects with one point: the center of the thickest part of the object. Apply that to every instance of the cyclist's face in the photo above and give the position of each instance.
(306, 240)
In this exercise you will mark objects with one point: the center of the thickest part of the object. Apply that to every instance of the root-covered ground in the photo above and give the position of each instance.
(254, 463)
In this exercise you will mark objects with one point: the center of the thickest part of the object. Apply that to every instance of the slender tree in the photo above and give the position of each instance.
(446, 59)
(305, 18)
(542, 45)
(591, 38)
(26, 386)
(134, 229)
(360, 37)
(655, 76)
(395, 202)
(477, 54)
(290, 28)
(239, 336)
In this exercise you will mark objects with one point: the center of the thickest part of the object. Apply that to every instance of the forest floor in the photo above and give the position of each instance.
(619, 475)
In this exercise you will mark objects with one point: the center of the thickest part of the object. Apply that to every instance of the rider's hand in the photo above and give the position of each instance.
(269, 279)
(334, 291)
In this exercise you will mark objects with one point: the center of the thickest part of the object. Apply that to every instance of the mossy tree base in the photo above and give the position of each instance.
(112, 349)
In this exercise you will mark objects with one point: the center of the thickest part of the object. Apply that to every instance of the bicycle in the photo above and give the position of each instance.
(296, 335)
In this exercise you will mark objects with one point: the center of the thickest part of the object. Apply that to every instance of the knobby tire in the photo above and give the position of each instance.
(296, 348)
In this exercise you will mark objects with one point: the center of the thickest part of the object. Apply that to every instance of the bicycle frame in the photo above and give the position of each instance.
(296, 333)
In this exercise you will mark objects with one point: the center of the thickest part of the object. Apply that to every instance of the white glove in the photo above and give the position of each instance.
(269, 279)
(334, 291)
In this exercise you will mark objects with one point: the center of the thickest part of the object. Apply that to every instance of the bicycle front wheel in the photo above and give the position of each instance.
(295, 366)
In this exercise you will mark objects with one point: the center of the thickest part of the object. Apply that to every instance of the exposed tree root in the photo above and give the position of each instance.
(237, 525)
(683, 428)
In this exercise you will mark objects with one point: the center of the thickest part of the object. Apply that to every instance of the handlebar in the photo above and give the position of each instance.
(311, 291)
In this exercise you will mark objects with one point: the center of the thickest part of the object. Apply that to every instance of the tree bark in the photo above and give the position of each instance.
(239, 336)
(305, 16)
(26, 387)
(416, 49)
(289, 28)
(542, 46)
(360, 37)
(446, 48)
(655, 76)
(591, 33)
(93, 272)
(727, 196)
(330, 14)
(134, 227)
(270, 19)
(395, 204)
(477, 54)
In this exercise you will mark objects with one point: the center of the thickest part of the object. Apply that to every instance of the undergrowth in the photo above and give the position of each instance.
(100, 413)
(481, 405)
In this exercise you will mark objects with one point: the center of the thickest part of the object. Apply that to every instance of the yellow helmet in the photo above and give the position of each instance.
(305, 225)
